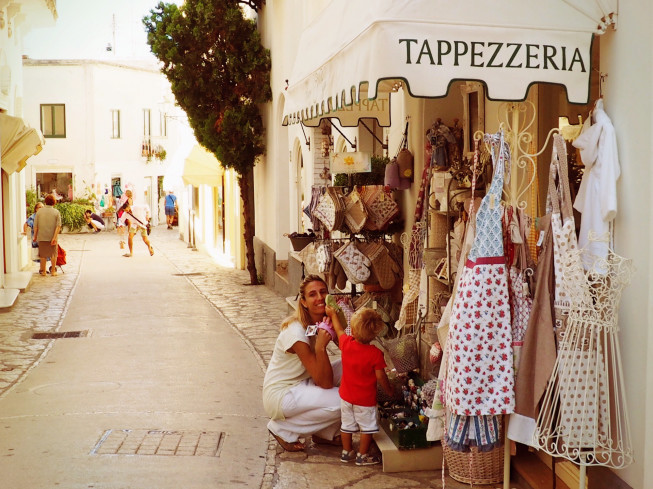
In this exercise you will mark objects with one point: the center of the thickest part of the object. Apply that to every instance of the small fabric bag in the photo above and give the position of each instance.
(355, 213)
(381, 207)
(325, 211)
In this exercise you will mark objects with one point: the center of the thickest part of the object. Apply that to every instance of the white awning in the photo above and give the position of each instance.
(18, 142)
(373, 45)
(201, 168)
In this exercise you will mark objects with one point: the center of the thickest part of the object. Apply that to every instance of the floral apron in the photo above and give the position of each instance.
(480, 377)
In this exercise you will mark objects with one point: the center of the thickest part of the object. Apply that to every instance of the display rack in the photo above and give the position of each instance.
(438, 259)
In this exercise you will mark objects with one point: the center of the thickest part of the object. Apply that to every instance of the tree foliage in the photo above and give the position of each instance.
(219, 72)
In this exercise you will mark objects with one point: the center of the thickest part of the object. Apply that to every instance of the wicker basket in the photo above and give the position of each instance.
(486, 467)
(439, 230)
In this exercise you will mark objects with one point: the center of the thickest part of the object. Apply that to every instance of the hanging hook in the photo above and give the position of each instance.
(602, 77)
(307, 140)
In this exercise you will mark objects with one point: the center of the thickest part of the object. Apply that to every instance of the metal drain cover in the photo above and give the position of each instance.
(188, 274)
(160, 442)
(59, 334)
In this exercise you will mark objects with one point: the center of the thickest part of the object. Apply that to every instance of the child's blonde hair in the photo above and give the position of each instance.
(366, 324)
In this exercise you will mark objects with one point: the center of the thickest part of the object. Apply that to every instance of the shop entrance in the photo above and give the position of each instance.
(58, 183)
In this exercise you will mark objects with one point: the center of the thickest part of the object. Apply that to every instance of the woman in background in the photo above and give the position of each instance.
(47, 225)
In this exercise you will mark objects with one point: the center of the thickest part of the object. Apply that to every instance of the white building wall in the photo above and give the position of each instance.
(90, 90)
(280, 25)
(627, 58)
(18, 18)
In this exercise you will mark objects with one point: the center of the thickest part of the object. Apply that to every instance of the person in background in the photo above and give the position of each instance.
(170, 208)
(136, 218)
(121, 229)
(29, 224)
(363, 365)
(93, 221)
(47, 225)
(300, 393)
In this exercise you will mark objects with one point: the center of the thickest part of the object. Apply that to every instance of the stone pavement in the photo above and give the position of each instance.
(254, 313)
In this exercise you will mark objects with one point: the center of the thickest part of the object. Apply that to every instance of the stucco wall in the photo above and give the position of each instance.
(626, 56)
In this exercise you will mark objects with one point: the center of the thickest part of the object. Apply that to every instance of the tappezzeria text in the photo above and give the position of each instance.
(478, 54)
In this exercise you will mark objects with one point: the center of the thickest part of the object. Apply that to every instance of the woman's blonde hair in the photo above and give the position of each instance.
(301, 313)
(366, 324)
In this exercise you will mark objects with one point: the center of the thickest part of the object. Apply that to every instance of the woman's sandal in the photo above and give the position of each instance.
(287, 446)
(336, 442)
(151, 251)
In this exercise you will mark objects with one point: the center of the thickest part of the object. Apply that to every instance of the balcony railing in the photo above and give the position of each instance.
(150, 150)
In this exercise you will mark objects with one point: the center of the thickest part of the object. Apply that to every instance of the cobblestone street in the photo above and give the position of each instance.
(253, 312)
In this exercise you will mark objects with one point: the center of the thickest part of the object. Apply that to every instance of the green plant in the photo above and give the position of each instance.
(83, 201)
(30, 199)
(375, 177)
(72, 215)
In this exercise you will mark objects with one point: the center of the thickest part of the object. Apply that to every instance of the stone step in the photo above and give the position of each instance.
(18, 280)
(8, 297)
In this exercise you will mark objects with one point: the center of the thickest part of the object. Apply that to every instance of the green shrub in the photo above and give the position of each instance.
(30, 199)
(72, 215)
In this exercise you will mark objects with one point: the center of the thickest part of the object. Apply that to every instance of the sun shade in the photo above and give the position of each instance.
(18, 142)
(357, 46)
(201, 167)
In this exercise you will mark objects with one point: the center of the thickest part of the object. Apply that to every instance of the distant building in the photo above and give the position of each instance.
(109, 125)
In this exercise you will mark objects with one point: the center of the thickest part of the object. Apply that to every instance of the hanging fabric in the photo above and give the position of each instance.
(480, 378)
(538, 352)
(597, 195)
(563, 226)
(521, 302)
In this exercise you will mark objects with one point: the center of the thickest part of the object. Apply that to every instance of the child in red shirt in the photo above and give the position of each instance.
(363, 366)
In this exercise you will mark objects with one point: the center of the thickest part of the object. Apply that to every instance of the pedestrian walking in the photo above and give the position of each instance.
(121, 229)
(137, 220)
(300, 388)
(363, 365)
(29, 224)
(170, 208)
(47, 225)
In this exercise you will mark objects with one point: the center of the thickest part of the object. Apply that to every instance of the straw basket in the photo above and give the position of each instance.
(438, 230)
(485, 467)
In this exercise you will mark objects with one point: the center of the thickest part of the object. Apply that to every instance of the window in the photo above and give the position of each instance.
(115, 124)
(53, 120)
(147, 119)
(163, 126)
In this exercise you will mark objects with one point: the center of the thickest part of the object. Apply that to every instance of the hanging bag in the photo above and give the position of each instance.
(402, 349)
(405, 158)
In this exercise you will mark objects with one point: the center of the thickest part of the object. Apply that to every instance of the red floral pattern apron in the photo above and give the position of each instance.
(480, 376)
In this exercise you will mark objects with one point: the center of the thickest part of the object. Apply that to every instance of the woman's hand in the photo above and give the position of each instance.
(322, 339)
(316, 362)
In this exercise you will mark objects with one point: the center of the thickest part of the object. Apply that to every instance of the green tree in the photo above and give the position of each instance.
(220, 74)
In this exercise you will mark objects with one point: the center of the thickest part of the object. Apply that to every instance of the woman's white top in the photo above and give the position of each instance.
(285, 370)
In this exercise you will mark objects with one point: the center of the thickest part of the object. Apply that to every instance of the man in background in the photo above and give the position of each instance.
(171, 208)
(94, 222)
